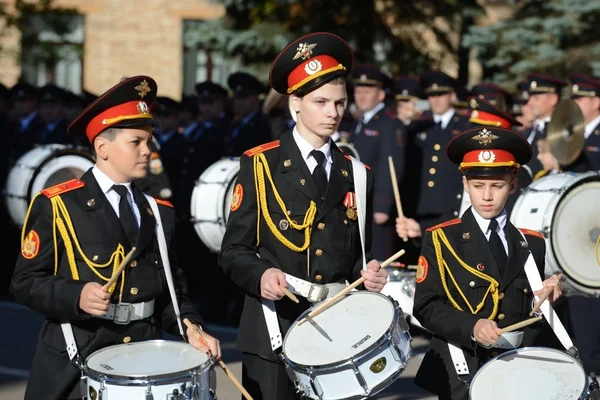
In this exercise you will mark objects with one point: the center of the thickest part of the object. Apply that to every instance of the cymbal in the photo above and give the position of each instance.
(566, 132)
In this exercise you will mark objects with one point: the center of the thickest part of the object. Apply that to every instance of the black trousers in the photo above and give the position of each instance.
(266, 380)
(585, 320)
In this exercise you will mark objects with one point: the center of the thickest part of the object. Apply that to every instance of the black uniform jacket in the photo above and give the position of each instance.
(434, 310)
(55, 293)
(334, 252)
(592, 148)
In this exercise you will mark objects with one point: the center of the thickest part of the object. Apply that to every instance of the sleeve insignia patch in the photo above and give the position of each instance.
(31, 245)
(236, 199)
(422, 268)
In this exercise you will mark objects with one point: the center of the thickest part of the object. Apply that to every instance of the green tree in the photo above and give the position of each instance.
(556, 37)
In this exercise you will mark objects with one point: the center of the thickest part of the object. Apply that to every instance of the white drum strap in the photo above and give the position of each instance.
(69, 339)
(535, 281)
(359, 173)
(458, 360)
(272, 322)
(164, 255)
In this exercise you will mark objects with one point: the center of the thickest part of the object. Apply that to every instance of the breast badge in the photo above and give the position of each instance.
(31, 245)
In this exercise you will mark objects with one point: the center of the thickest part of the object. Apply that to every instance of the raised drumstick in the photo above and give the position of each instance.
(543, 297)
(396, 190)
(120, 269)
(325, 305)
(233, 379)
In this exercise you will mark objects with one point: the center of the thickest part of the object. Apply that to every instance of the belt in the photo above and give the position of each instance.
(124, 313)
(313, 292)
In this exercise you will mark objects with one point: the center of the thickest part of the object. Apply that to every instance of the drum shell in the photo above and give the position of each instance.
(211, 199)
(119, 386)
(401, 287)
(536, 209)
(32, 171)
(339, 380)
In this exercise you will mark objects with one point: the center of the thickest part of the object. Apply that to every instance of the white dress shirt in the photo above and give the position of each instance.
(112, 196)
(444, 118)
(306, 148)
(366, 117)
(538, 126)
(589, 128)
(484, 225)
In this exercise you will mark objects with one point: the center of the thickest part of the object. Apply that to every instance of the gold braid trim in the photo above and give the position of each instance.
(64, 225)
(261, 167)
(443, 268)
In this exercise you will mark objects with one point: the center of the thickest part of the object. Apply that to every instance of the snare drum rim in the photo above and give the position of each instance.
(140, 380)
(347, 362)
(521, 349)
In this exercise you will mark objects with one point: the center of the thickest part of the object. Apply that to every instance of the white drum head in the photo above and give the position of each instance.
(529, 373)
(575, 231)
(348, 328)
(154, 358)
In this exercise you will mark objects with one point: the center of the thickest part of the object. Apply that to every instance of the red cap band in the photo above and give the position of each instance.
(482, 117)
(131, 110)
(312, 69)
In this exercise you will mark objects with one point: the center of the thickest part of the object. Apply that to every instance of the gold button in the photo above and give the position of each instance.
(434, 158)
(289, 212)
(432, 171)
(525, 290)
(501, 296)
(156, 262)
(472, 283)
(133, 264)
(133, 291)
(345, 222)
(431, 183)
(126, 339)
(318, 278)
(321, 225)
(318, 252)
(95, 258)
(437, 147)
(500, 317)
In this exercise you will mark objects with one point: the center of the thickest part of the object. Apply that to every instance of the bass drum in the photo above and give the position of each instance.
(563, 207)
(401, 287)
(41, 168)
(211, 199)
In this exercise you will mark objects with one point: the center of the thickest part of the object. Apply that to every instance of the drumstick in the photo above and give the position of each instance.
(229, 374)
(289, 294)
(396, 190)
(120, 269)
(543, 297)
(519, 325)
(325, 305)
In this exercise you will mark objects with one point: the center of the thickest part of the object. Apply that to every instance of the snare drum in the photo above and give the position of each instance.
(353, 350)
(157, 369)
(530, 373)
(563, 208)
(401, 287)
(38, 169)
(211, 199)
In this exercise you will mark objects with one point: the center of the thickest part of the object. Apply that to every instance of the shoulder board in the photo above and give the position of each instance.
(445, 224)
(531, 232)
(263, 147)
(63, 188)
(163, 202)
(350, 159)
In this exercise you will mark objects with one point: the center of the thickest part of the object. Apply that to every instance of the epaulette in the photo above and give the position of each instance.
(164, 202)
(350, 159)
(63, 188)
(261, 148)
(531, 232)
(444, 224)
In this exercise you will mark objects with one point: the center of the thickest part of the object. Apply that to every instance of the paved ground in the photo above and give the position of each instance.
(21, 327)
